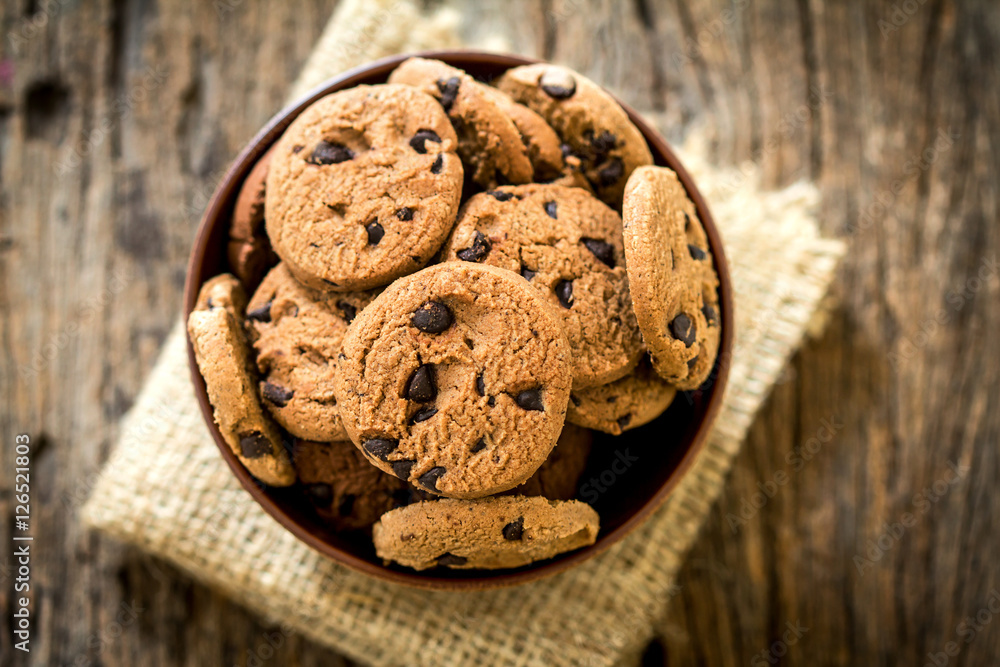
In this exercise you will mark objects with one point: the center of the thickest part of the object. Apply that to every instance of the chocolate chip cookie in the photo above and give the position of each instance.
(490, 534)
(455, 379)
(568, 246)
(596, 132)
(488, 141)
(540, 141)
(297, 332)
(673, 281)
(559, 476)
(249, 250)
(363, 187)
(344, 489)
(223, 357)
(636, 399)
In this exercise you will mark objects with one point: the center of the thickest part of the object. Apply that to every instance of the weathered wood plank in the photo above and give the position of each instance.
(144, 104)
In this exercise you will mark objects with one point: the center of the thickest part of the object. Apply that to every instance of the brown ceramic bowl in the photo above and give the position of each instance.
(664, 449)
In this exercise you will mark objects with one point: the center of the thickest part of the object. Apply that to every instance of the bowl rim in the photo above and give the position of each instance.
(218, 205)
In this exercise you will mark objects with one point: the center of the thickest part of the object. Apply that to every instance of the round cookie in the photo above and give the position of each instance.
(222, 290)
(593, 127)
(223, 358)
(249, 250)
(673, 281)
(488, 141)
(297, 333)
(540, 141)
(456, 379)
(636, 399)
(344, 489)
(559, 476)
(363, 187)
(568, 245)
(488, 534)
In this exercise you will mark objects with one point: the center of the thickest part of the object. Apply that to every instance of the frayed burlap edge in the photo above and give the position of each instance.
(600, 612)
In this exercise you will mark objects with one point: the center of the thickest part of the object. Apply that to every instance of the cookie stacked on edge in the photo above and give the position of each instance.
(453, 282)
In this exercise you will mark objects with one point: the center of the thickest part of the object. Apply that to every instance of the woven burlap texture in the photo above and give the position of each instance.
(166, 489)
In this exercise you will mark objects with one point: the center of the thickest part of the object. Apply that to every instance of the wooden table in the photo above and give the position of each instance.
(116, 119)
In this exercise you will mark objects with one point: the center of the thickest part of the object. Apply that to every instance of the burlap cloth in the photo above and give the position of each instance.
(166, 489)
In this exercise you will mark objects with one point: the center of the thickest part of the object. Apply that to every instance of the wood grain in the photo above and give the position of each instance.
(117, 117)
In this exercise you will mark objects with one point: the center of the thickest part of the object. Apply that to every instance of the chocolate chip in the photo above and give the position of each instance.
(479, 446)
(551, 208)
(500, 195)
(420, 139)
(297, 148)
(260, 313)
(375, 232)
(514, 530)
(255, 444)
(210, 304)
(423, 415)
(449, 91)
(401, 469)
(380, 448)
(438, 164)
(405, 214)
(692, 362)
(710, 315)
(557, 84)
(330, 153)
(491, 401)
(602, 144)
(611, 172)
(527, 273)
(432, 317)
(480, 385)
(451, 559)
(683, 329)
(430, 478)
(575, 399)
(346, 505)
(624, 420)
(530, 399)
(350, 312)
(478, 251)
(320, 494)
(687, 221)
(696, 252)
(277, 394)
(602, 250)
(420, 387)
(564, 292)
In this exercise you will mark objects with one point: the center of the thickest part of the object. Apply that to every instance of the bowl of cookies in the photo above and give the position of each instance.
(458, 320)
